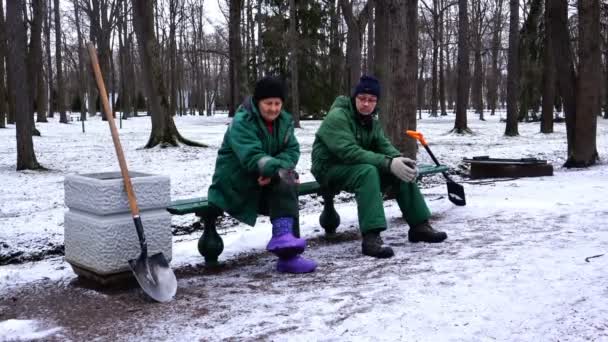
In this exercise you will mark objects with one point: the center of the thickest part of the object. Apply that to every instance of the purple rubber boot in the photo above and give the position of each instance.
(283, 243)
(296, 264)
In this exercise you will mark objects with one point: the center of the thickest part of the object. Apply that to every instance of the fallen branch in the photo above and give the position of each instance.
(593, 256)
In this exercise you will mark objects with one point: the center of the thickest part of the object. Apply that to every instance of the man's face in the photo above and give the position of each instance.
(366, 103)
(270, 108)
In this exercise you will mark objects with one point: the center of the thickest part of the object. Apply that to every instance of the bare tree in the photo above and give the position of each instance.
(295, 93)
(335, 50)
(369, 60)
(477, 84)
(163, 131)
(548, 97)
(36, 71)
(2, 69)
(513, 70)
(582, 148)
(236, 57)
(49, 63)
(442, 50)
(460, 125)
(381, 51)
(174, 5)
(354, 41)
(562, 51)
(435, 13)
(401, 109)
(19, 83)
(59, 66)
(494, 76)
(82, 78)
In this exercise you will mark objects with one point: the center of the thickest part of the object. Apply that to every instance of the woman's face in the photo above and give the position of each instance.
(270, 108)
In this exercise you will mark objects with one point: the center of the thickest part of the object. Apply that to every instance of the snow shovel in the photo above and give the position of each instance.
(152, 272)
(455, 190)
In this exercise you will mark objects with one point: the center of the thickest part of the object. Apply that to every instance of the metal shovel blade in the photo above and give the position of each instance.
(154, 276)
(456, 193)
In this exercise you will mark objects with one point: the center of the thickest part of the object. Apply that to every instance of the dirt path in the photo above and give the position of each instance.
(505, 273)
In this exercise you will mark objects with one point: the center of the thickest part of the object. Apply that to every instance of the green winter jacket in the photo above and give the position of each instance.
(248, 151)
(341, 139)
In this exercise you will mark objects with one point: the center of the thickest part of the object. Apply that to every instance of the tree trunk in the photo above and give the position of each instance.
(59, 66)
(441, 62)
(3, 104)
(258, 49)
(513, 70)
(477, 86)
(450, 80)
(403, 46)
(17, 69)
(494, 78)
(546, 124)
(236, 59)
(434, 58)
(295, 93)
(566, 78)
(82, 76)
(173, 5)
(354, 38)
(460, 126)
(605, 77)
(49, 62)
(381, 67)
(163, 131)
(421, 83)
(583, 147)
(122, 63)
(335, 52)
(369, 62)
(530, 63)
(35, 61)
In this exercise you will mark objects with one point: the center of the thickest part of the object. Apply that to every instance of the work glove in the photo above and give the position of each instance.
(403, 168)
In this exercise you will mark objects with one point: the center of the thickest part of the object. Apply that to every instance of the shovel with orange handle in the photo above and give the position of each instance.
(455, 190)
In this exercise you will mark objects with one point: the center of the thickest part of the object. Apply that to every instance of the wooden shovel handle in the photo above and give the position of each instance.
(119, 153)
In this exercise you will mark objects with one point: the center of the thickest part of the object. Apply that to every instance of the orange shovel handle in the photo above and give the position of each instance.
(416, 135)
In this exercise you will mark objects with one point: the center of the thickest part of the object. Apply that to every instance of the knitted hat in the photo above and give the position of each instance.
(367, 85)
(269, 86)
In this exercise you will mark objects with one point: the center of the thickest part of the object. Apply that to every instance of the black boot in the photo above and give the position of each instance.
(374, 246)
(425, 233)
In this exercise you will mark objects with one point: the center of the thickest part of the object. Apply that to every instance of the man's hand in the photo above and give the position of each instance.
(404, 169)
(263, 181)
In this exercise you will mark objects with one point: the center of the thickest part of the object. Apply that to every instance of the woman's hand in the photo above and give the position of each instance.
(263, 181)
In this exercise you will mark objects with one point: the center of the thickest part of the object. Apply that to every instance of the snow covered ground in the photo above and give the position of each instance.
(513, 267)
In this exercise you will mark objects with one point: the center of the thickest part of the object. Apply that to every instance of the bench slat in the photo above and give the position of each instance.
(193, 205)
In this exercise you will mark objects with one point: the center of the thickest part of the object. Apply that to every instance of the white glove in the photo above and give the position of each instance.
(404, 169)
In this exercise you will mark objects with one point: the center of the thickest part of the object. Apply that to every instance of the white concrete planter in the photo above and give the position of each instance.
(99, 235)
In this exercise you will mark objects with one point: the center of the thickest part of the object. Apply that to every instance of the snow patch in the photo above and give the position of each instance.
(25, 330)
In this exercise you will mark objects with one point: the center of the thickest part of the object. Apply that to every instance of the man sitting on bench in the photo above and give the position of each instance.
(254, 172)
(351, 153)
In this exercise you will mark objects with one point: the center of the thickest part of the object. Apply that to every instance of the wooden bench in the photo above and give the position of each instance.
(211, 245)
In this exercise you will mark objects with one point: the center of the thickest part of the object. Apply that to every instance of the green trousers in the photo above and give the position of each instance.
(368, 184)
(277, 199)
(280, 199)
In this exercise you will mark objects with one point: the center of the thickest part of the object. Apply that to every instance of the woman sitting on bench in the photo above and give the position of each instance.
(254, 172)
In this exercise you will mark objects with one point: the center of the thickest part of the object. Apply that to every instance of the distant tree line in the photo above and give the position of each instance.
(167, 57)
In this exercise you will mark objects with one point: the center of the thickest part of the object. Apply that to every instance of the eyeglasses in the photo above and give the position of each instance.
(365, 99)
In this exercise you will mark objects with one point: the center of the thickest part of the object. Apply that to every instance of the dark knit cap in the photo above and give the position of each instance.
(367, 85)
(269, 86)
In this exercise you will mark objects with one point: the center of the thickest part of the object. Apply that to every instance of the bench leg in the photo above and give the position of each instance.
(210, 244)
(329, 219)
